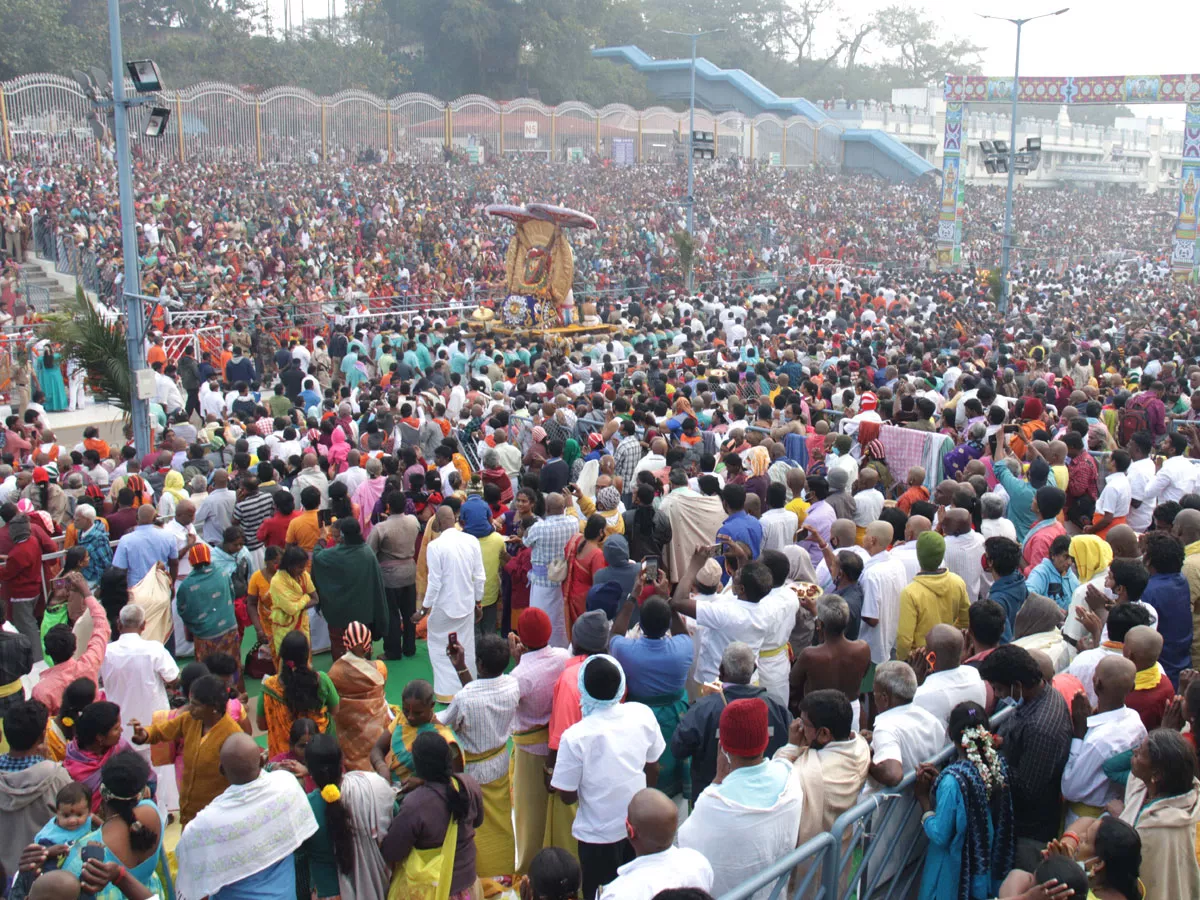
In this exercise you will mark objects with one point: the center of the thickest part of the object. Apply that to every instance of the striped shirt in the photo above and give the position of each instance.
(548, 538)
(537, 673)
(481, 715)
(249, 513)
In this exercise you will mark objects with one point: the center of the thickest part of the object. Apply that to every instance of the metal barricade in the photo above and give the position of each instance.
(813, 886)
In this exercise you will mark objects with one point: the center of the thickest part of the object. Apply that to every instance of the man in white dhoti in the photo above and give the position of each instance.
(452, 599)
(548, 539)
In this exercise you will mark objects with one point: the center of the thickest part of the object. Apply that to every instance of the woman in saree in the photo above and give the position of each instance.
(362, 711)
(584, 559)
(292, 760)
(391, 756)
(172, 493)
(292, 595)
(46, 368)
(297, 692)
(97, 740)
(132, 833)
(60, 730)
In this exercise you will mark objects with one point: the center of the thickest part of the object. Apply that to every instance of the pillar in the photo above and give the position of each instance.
(949, 234)
(324, 140)
(639, 138)
(597, 134)
(1183, 253)
(783, 149)
(388, 121)
(449, 127)
(179, 126)
(502, 131)
(4, 126)
(258, 131)
(752, 141)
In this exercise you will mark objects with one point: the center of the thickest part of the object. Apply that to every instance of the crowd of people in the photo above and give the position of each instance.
(691, 585)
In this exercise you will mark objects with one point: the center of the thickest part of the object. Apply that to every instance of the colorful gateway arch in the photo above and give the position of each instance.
(1094, 90)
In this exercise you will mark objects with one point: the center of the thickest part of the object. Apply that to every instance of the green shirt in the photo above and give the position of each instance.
(279, 405)
(206, 603)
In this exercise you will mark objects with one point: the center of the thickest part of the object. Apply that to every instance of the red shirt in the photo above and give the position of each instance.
(22, 572)
(1151, 703)
(273, 531)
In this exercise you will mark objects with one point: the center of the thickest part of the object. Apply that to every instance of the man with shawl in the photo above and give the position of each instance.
(92, 536)
(362, 712)
(246, 838)
(368, 493)
(350, 584)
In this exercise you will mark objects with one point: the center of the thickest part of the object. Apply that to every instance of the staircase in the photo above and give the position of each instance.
(43, 291)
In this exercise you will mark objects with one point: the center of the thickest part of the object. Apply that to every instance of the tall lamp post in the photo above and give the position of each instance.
(135, 315)
(691, 199)
(1006, 250)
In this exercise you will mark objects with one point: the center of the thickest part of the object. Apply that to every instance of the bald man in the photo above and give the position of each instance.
(1102, 736)
(868, 502)
(453, 595)
(882, 581)
(1152, 689)
(215, 856)
(651, 821)
(906, 550)
(950, 682)
(964, 552)
(842, 536)
(146, 546)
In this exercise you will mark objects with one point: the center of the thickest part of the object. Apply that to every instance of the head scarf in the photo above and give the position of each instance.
(800, 567)
(1092, 555)
(476, 517)
(759, 459)
(200, 555)
(18, 529)
(607, 498)
(357, 638)
(874, 450)
(589, 704)
(570, 452)
(1037, 615)
(538, 433)
(173, 485)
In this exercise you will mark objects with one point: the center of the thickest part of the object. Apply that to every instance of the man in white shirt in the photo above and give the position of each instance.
(136, 674)
(603, 761)
(882, 580)
(1141, 473)
(778, 523)
(964, 552)
(660, 865)
(950, 683)
(904, 734)
(508, 453)
(727, 617)
(906, 552)
(1111, 728)
(354, 475)
(1113, 503)
(452, 595)
(868, 502)
(1177, 475)
(654, 460)
(1124, 616)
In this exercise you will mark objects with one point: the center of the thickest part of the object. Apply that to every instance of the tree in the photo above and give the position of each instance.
(914, 36)
(37, 38)
(98, 347)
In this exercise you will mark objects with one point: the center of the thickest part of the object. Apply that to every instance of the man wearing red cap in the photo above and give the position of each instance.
(537, 671)
(750, 815)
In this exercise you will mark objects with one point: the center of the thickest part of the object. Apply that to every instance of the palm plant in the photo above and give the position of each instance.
(98, 347)
(685, 246)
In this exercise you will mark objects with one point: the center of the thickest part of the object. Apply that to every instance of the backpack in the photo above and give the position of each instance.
(1133, 419)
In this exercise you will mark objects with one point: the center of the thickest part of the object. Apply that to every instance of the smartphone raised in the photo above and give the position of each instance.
(59, 584)
(452, 639)
(650, 569)
(324, 517)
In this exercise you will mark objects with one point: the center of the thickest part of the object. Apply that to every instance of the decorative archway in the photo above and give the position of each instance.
(1073, 91)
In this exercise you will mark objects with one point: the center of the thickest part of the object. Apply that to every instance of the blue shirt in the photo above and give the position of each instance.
(139, 551)
(741, 526)
(1171, 599)
(1010, 592)
(1020, 500)
(654, 667)
(1046, 580)
(276, 882)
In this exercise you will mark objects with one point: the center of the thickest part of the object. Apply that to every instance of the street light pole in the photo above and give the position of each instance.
(1006, 247)
(690, 199)
(135, 317)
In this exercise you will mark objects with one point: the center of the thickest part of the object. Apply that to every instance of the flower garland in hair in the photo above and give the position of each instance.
(979, 746)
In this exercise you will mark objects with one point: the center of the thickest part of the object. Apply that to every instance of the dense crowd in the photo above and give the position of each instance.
(691, 585)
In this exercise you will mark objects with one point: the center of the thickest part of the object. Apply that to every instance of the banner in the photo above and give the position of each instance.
(1183, 253)
(1111, 89)
(949, 234)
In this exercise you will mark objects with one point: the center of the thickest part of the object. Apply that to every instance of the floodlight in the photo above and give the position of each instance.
(1033, 144)
(987, 146)
(990, 165)
(1001, 146)
(144, 73)
(157, 123)
(1001, 164)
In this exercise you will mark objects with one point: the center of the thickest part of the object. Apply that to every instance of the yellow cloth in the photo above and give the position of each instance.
(930, 600)
(202, 778)
(1149, 678)
(1092, 555)
(529, 800)
(495, 844)
(173, 485)
(532, 736)
(758, 460)
(800, 507)
(7, 690)
(289, 599)
(774, 651)
(559, 819)
(426, 874)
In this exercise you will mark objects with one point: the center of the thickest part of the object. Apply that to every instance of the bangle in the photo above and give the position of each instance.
(1073, 836)
(121, 875)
